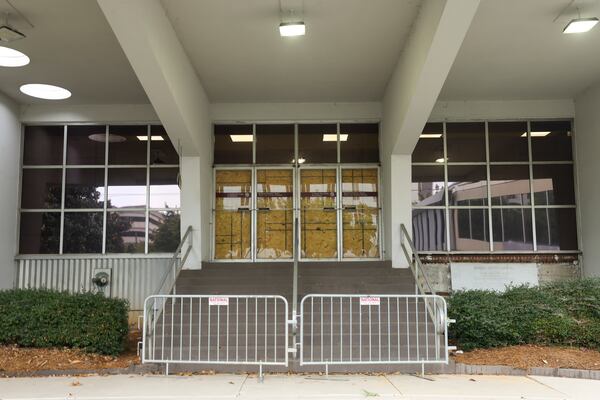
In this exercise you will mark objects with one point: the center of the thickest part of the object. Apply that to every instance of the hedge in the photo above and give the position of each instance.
(45, 318)
(565, 314)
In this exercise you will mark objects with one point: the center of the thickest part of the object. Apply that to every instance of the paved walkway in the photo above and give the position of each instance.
(156, 387)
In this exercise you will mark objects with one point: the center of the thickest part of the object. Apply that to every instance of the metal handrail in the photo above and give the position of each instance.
(415, 262)
(174, 266)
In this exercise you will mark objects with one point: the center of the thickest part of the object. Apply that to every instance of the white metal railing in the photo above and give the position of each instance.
(207, 329)
(373, 329)
(176, 263)
(421, 281)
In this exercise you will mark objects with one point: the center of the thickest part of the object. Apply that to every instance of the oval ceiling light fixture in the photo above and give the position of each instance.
(46, 92)
(12, 58)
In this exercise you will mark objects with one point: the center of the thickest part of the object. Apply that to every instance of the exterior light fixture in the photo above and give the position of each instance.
(12, 58)
(580, 25)
(241, 138)
(537, 134)
(332, 137)
(301, 160)
(288, 29)
(154, 138)
(430, 135)
(440, 160)
(46, 92)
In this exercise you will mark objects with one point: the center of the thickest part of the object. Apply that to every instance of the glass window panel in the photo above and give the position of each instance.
(39, 233)
(317, 143)
(429, 229)
(82, 232)
(469, 229)
(509, 185)
(428, 185)
(164, 190)
(430, 146)
(84, 188)
(43, 145)
(467, 185)
(86, 144)
(164, 231)
(162, 150)
(508, 141)
(41, 188)
(465, 141)
(128, 144)
(556, 229)
(553, 184)
(233, 144)
(512, 229)
(361, 145)
(126, 187)
(275, 144)
(551, 141)
(125, 231)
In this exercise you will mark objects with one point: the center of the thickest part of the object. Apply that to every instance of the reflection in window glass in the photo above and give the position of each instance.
(317, 143)
(84, 188)
(39, 233)
(86, 144)
(467, 185)
(128, 145)
(164, 190)
(82, 233)
(430, 146)
(512, 229)
(469, 230)
(429, 229)
(508, 141)
(41, 188)
(233, 144)
(43, 145)
(126, 187)
(428, 186)
(164, 231)
(556, 228)
(551, 141)
(553, 184)
(275, 144)
(509, 185)
(465, 141)
(125, 231)
(162, 150)
(359, 143)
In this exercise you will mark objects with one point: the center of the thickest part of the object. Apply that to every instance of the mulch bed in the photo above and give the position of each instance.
(528, 356)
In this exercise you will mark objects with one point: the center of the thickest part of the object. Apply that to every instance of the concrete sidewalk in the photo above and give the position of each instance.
(157, 387)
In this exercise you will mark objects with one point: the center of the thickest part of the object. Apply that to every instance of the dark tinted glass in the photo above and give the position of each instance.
(509, 185)
(128, 144)
(274, 144)
(467, 185)
(125, 232)
(428, 185)
(84, 188)
(512, 229)
(317, 143)
(551, 141)
(233, 144)
(126, 187)
(429, 229)
(553, 184)
(469, 230)
(163, 231)
(82, 232)
(361, 145)
(86, 144)
(508, 141)
(164, 190)
(43, 145)
(430, 146)
(41, 188)
(40, 233)
(162, 150)
(465, 141)
(556, 228)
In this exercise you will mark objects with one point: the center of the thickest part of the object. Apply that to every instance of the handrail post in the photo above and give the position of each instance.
(295, 288)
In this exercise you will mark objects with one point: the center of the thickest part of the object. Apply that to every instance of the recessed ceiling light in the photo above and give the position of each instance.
(12, 58)
(536, 134)
(430, 135)
(154, 138)
(47, 92)
(287, 29)
(580, 25)
(241, 138)
(332, 137)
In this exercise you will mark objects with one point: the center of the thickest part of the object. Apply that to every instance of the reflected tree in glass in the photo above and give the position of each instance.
(165, 238)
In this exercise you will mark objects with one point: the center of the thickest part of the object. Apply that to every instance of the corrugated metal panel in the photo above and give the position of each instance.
(133, 279)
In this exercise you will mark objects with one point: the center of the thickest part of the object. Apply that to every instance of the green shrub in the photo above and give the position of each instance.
(565, 313)
(45, 318)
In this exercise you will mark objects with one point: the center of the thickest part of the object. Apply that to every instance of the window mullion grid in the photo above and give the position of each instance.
(339, 198)
(62, 194)
(488, 185)
(147, 212)
(446, 201)
(531, 189)
(104, 211)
